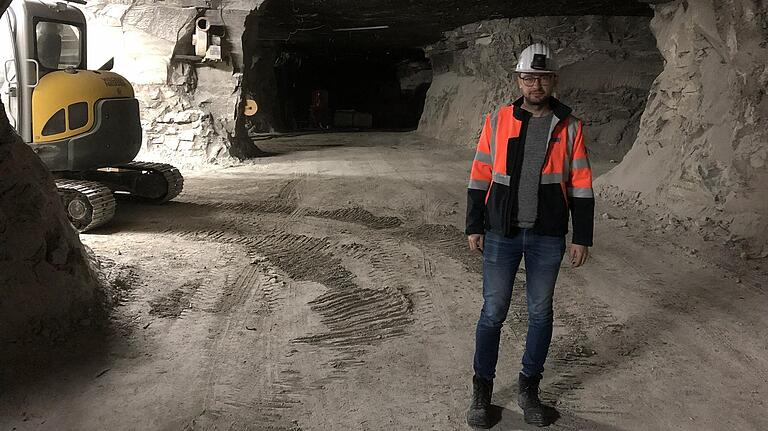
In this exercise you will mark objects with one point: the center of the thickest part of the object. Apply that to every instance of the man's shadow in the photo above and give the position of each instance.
(510, 420)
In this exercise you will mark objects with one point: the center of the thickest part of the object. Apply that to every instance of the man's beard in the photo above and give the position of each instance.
(540, 101)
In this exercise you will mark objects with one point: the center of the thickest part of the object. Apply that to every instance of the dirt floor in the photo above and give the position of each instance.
(329, 288)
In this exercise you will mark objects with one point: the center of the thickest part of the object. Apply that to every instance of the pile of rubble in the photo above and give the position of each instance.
(46, 280)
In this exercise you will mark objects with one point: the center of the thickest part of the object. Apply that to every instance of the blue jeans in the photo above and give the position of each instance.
(501, 258)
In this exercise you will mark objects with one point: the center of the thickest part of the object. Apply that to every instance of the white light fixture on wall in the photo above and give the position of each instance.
(206, 45)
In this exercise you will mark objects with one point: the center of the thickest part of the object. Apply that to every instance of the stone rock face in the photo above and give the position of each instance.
(702, 151)
(45, 278)
(187, 106)
(189, 127)
(607, 67)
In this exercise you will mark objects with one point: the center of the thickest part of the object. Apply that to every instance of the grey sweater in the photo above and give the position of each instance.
(536, 139)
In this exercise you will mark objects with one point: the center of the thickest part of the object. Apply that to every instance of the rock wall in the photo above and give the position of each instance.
(45, 278)
(188, 107)
(701, 156)
(608, 65)
(189, 127)
(259, 78)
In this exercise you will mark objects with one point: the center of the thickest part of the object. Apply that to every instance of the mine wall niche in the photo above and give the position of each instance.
(188, 99)
(607, 67)
(701, 156)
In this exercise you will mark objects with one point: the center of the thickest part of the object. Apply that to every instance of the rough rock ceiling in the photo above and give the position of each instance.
(310, 24)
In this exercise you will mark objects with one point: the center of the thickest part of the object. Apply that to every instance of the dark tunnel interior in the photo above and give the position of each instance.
(373, 89)
(346, 64)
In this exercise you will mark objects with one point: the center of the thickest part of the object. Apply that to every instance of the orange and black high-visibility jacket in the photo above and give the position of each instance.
(566, 176)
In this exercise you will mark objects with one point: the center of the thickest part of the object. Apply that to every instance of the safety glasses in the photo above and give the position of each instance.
(530, 80)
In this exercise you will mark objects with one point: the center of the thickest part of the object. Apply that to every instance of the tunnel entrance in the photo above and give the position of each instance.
(310, 64)
(308, 69)
(377, 89)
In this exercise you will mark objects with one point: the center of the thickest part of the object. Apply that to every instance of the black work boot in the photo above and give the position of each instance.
(479, 413)
(528, 400)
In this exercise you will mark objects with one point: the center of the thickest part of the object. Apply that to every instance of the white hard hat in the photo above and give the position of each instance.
(537, 58)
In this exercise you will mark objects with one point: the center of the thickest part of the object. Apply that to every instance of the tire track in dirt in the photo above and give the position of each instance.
(235, 293)
(390, 266)
(573, 357)
(175, 303)
(228, 404)
(285, 201)
(207, 296)
(448, 240)
(438, 240)
(354, 317)
(305, 258)
(432, 318)
(368, 316)
(385, 257)
(360, 317)
(359, 216)
(432, 242)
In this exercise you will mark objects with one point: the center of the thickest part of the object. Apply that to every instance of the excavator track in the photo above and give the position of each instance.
(88, 204)
(171, 175)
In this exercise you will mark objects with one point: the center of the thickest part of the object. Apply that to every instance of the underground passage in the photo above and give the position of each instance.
(376, 90)
(383, 215)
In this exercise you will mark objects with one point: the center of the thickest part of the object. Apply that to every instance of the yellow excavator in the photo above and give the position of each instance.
(83, 124)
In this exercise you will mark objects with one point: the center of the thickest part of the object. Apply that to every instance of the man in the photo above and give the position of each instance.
(530, 170)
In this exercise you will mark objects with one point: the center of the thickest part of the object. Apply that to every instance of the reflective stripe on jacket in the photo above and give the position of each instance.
(566, 176)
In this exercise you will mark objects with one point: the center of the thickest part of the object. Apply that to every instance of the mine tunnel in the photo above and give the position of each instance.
(327, 214)
(377, 89)
(340, 72)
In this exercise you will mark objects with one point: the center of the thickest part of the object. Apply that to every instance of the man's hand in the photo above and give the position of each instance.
(578, 255)
(476, 242)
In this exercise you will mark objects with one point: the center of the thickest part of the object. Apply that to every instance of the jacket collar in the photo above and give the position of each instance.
(560, 109)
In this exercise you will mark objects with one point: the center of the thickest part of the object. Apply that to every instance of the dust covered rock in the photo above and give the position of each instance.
(702, 151)
(187, 106)
(607, 66)
(45, 279)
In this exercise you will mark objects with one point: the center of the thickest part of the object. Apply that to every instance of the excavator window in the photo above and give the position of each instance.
(58, 45)
(78, 115)
(56, 124)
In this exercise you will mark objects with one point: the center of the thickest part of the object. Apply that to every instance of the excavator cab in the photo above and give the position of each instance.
(83, 124)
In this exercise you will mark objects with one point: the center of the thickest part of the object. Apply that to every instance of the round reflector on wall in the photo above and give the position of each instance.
(250, 107)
